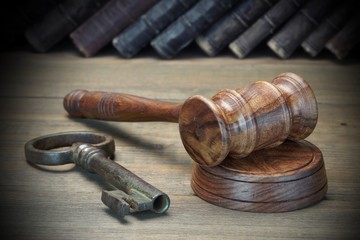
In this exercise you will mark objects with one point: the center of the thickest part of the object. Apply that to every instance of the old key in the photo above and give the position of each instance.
(91, 151)
(232, 123)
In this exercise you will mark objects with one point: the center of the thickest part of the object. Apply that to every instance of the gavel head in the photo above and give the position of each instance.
(236, 122)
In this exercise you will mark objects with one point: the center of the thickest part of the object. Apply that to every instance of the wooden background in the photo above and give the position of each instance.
(64, 202)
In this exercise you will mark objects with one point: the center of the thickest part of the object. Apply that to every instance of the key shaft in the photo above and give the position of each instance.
(137, 194)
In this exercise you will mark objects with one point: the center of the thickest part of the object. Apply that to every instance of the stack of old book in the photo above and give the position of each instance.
(169, 26)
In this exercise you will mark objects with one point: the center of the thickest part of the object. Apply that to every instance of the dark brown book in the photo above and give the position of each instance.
(290, 36)
(345, 40)
(317, 40)
(59, 22)
(225, 30)
(108, 22)
(187, 27)
(264, 27)
(16, 16)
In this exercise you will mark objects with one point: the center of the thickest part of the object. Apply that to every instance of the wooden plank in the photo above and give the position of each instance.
(64, 202)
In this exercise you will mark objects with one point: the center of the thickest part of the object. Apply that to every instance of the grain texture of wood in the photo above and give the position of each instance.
(238, 122)
(64, 203)
(285, 178)
(119, 107)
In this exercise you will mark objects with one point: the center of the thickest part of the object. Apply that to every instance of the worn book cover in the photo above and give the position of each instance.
(317, 40)
(346, 39)
(105, 24)
(17, 16)
(187, 27)
(290, 36)
(264, 27)
(59, 22)
(230, 26)
(139, 34)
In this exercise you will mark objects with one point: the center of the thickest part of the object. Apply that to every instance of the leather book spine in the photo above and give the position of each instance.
(224, 31)
(18, 16)
(59, 22)
(105, 24)
(188, 26)
(289, 37)
(139, 34)
(264, 27)
(317, 40)
(346, 39)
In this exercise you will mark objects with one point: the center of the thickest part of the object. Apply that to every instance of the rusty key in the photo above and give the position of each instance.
(91, 151)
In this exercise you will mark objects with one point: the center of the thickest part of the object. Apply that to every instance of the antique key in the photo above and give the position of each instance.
(91, 151)
(232, 123)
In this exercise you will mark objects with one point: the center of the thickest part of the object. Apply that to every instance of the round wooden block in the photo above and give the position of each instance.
(285, 178)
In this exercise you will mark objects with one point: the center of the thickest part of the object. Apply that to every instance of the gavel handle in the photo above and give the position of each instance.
(119, 107)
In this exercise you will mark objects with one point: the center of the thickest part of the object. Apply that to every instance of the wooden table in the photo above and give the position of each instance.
(64, 202)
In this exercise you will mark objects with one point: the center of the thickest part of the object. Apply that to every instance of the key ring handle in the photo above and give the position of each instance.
(55, 149)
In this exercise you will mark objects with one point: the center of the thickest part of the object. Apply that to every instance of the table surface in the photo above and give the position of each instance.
(64, 202)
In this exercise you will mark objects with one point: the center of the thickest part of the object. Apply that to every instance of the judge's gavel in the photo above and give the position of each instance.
(232, 123)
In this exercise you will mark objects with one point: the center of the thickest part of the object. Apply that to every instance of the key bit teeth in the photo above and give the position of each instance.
(123, 203)
(114, 200)
(139, 202)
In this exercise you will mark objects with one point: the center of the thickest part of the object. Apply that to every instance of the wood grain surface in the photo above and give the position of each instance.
(284, 178)
(64, 202)
(113, 106)
(236, 122)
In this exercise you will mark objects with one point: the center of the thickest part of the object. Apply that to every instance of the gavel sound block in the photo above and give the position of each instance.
(285, 178)
(232, 123)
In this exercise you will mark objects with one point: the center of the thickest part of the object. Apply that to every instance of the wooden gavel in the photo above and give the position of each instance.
(233, 123)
